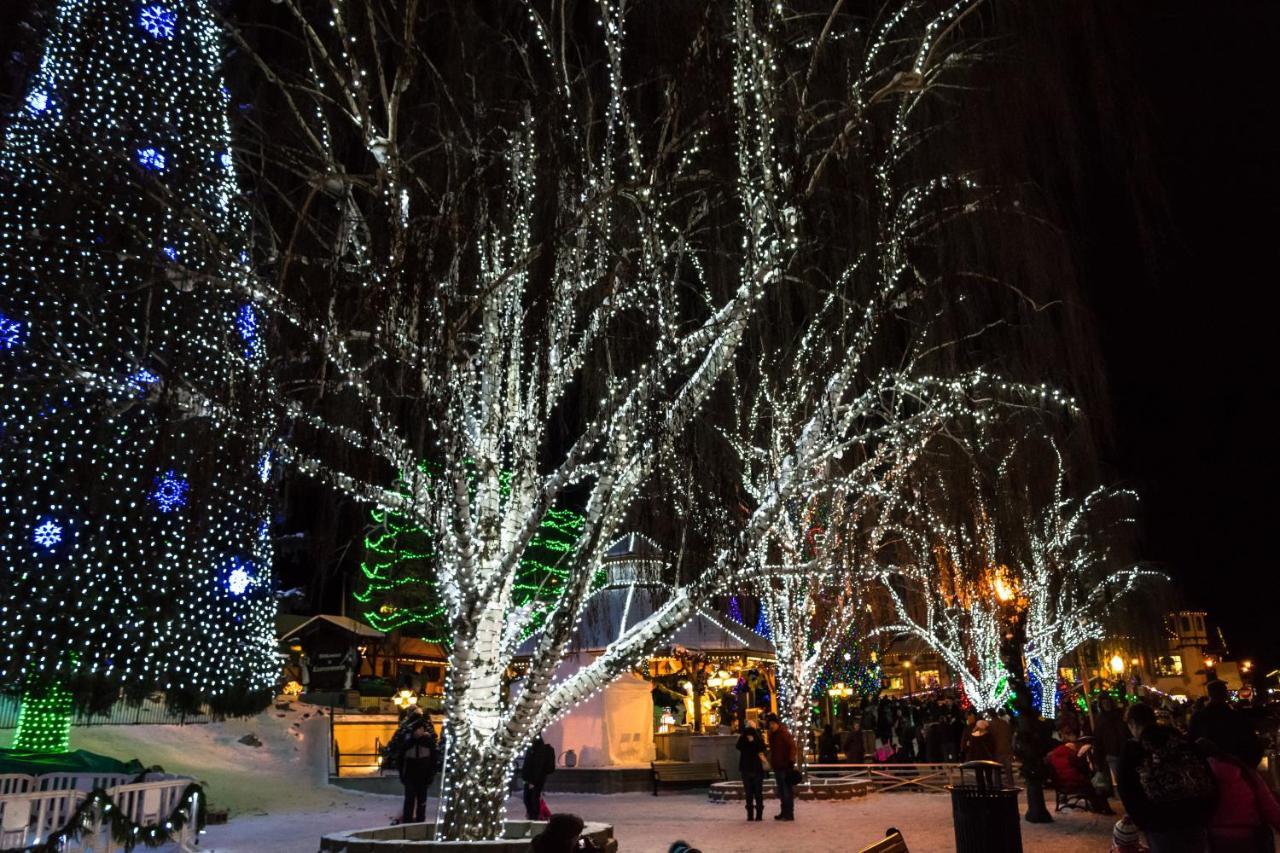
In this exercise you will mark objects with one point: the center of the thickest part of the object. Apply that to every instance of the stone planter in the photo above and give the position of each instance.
(420, 838)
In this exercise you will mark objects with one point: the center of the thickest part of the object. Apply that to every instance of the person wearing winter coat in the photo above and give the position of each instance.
(1071, 775)
(539, 763)
(417, 769)
(1247, 814)
(1001, 733)
(1111, 734)
(751, 765)
(855, 745)
(1228, 729)
(782, 758)
(1173, 823)
(827, 746)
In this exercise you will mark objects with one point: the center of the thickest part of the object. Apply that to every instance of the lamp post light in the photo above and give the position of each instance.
(906, 670)
(404, 700)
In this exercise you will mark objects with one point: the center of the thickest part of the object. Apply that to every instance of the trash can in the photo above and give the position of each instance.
(984, 811)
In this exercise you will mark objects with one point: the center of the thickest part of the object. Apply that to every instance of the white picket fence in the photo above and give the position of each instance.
(32, 807)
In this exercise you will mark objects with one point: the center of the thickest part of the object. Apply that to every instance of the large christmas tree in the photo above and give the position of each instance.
(134, 547)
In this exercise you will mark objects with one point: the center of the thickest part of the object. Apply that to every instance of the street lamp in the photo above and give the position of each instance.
(906, 669)
(404, 699)
(1117, 666)
(840, 691)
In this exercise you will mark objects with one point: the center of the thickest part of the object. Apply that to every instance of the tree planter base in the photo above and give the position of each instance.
(420, 838)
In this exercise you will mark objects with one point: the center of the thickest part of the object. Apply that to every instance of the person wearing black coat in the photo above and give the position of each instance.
(539, 763)
(417, 770)
(751, 766)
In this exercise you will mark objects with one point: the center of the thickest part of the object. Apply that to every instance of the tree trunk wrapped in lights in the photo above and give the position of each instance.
(135, 505)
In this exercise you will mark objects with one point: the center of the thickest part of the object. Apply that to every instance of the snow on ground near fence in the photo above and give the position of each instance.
(280, 801)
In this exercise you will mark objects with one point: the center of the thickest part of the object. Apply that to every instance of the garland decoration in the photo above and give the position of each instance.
(98, 805)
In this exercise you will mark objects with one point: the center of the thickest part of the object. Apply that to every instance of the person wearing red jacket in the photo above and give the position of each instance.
(1247, 813)
(1071, 775)
(782, 758)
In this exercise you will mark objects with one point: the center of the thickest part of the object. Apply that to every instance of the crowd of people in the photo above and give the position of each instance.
(1185, 773)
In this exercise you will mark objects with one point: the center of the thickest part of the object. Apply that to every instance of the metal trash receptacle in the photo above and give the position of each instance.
(984, 811)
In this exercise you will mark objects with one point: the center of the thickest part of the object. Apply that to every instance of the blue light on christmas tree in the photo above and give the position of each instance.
(152, 159)
(264, 467)
(47, 534)
(158, 21)
(239, 579)
(11, 332)
(170, 491)
(38, 101)
(142, 379)
(170, 252)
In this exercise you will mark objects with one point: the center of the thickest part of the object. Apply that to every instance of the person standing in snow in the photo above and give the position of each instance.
(417, 769)
(539, 763)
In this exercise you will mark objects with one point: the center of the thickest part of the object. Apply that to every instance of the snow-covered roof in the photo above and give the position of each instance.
(345, 623)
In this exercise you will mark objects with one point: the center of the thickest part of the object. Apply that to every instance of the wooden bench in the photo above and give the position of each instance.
(893, 842)
(686, 773)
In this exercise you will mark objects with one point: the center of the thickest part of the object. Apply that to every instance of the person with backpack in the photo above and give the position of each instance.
(1247, 814)
(1166, 785)
(539, 763)
(417, 769)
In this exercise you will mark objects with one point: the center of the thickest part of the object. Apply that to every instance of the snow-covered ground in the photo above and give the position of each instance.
(280, 801)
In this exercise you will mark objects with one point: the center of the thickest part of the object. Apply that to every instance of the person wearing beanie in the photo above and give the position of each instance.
(1125, 837)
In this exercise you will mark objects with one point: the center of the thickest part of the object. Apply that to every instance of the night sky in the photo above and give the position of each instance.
(1189, 336)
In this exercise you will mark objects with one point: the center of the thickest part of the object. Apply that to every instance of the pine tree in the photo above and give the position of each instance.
(399, 588)
(134, 507)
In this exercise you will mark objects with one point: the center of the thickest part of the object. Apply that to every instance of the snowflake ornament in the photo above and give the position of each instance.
(238, 579)
(48, 534)
(170, 491)
(158, 21)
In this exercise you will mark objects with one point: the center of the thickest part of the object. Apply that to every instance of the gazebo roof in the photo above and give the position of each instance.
(633, 591)
(346, 624)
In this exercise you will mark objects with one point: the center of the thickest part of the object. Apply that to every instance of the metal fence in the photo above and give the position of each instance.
(121, 714)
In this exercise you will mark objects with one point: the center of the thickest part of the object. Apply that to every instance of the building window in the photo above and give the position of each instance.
(895, 682)
(1169, 665)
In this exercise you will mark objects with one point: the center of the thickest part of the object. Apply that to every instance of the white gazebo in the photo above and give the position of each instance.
(615, 727)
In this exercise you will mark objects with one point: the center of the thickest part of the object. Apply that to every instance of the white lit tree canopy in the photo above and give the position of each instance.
(946, 589)
(543, 280)
(1071, 571)
(134, 411)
